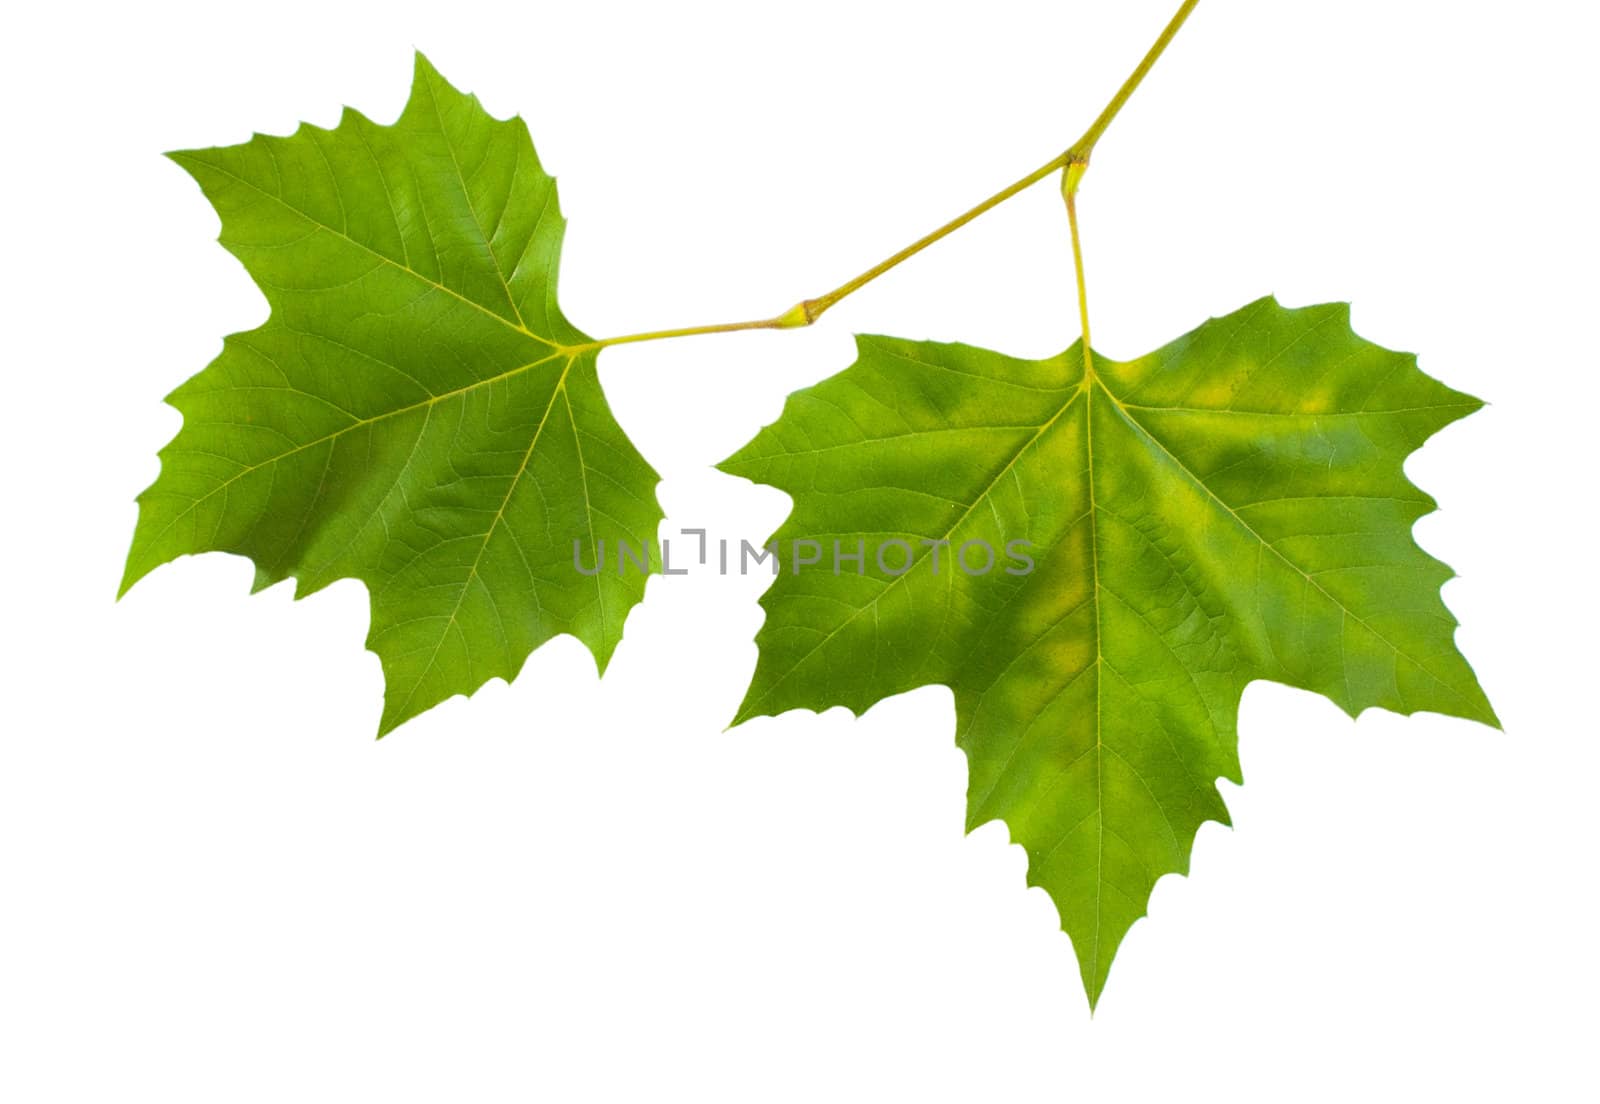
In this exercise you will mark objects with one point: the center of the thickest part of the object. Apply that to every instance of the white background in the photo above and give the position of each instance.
(215, 885)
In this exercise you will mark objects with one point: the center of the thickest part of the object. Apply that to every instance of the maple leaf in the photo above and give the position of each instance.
(416, 413)
(1231, 507)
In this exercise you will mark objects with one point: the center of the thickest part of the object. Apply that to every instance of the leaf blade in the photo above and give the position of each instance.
(412, 413)
(1097, 695)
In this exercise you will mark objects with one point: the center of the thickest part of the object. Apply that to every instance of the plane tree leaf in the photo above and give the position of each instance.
(416, 413)
(1230, 507)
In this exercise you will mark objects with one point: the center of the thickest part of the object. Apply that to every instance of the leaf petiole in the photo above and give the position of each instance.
(1077, 163)
(1069, 193)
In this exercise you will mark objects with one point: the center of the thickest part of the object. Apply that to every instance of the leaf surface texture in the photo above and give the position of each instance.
(1230, 507)
(416, 413)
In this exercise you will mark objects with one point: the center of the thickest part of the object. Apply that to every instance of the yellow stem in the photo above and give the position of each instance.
(1085, 144)
(688, 331)
(1077, 163)
(1075, 159)
(1083, 292)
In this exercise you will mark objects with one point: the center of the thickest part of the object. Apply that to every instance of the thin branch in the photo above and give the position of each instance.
(1075, 159)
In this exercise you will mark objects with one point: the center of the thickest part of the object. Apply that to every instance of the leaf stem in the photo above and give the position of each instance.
(808, 311)
(1077, 163)
(686, 331)
(1075, 159)
(1070, 194)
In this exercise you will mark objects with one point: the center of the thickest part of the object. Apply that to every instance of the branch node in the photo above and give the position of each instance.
(801, 314)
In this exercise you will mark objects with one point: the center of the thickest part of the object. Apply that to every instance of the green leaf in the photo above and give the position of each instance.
(416, 413)
(1231, 507)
